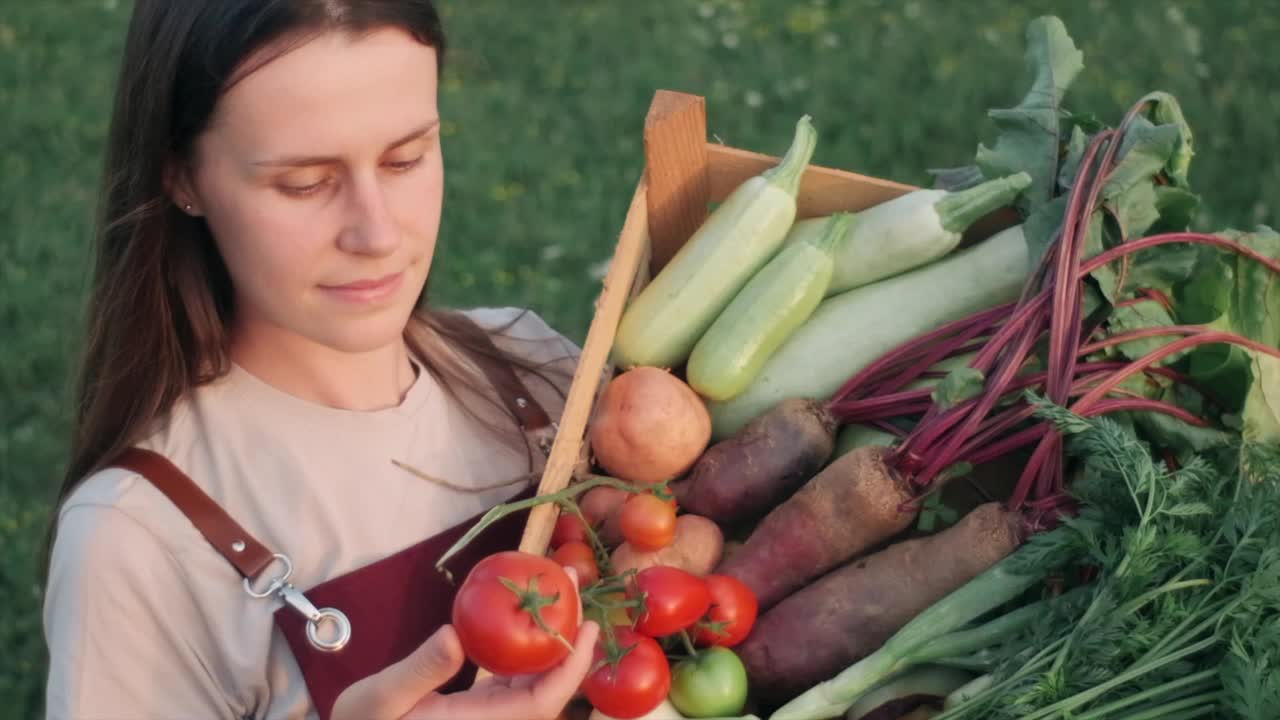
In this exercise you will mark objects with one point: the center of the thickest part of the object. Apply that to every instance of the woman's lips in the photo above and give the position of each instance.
(366, 291)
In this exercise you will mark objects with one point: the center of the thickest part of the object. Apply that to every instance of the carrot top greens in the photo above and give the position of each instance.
(1184, 613)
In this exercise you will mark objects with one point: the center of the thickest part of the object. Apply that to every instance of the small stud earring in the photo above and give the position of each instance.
(187, 207)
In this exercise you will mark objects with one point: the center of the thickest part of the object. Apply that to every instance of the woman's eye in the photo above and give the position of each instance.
(403, 165)
(302, 190)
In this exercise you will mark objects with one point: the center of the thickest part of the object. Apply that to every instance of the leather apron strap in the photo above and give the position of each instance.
(241, 549)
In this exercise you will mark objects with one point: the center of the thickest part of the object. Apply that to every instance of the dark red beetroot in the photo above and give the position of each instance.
(853, 504)
(743, 477)
(849, 613)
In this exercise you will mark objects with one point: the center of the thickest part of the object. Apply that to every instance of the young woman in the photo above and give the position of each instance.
(276, 436)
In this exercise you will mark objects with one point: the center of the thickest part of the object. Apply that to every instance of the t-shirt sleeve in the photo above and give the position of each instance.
(123, 629)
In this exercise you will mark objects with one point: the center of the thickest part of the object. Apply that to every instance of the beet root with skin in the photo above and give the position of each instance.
(849, 613)
(743, 477)
(854, 504)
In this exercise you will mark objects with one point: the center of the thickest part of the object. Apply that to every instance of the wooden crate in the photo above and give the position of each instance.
(684, 173)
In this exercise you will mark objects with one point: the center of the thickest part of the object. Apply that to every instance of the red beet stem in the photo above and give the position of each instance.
(1051, 303)
(1086, 403)
(921, 345)
(1064, 322)
(1133, 246)
(1200, 338)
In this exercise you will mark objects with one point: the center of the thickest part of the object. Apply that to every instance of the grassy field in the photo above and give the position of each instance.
(543, 105)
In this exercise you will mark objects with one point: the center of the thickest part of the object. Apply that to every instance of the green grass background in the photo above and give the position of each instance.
(543, 104)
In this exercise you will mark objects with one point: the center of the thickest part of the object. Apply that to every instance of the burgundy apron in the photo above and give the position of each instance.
(354, 625)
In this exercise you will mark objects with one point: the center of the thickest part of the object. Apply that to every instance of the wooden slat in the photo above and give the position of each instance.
(675, 151)
(823, 190)
(592, 362)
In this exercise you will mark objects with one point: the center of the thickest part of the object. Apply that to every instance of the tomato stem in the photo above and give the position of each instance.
(532, 602)
(613, 650)
(601, 588)
(688, 643)
(595, 599)
(497, 512)
(603, 561)
(720, 628)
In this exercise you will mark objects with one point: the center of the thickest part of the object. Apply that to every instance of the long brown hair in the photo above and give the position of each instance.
(161, 298)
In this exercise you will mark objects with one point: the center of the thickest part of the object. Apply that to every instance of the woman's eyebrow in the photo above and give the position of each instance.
(309, 160)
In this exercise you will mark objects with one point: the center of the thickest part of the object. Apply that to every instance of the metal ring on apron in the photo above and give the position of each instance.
(294, 598)
(338, 618)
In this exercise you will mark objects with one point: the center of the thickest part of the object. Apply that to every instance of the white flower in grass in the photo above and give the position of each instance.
(552, 252)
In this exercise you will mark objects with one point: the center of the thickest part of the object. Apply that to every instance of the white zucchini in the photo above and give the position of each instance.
(908, 231)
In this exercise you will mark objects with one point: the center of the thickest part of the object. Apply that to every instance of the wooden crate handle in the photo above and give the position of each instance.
(676, 171)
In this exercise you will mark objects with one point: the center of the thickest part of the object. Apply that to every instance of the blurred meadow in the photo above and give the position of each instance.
(543, 104)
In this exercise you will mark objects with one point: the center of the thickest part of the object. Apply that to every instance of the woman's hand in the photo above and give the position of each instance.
(407, 689)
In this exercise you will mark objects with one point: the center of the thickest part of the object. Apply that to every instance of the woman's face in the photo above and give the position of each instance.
(320, 177)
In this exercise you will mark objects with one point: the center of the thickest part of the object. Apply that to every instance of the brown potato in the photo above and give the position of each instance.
(649, 426)
(697, 548)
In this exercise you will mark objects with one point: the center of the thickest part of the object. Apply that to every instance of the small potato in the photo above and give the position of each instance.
(648, 426)
(696, 548)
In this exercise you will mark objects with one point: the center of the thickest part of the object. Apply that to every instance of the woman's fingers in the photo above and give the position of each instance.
(394, 691)
(544, 699)
(558, 686)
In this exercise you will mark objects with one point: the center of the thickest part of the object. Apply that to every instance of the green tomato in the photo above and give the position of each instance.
(713, 684)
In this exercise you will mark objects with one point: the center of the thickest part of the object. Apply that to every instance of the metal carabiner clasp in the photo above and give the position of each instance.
(294, 598)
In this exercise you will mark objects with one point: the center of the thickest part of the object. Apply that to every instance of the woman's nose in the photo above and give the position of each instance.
(370, 228)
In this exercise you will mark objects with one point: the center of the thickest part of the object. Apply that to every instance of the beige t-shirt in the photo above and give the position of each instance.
(144, 619)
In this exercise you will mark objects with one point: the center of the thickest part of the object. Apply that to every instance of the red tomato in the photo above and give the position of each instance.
(648, 523)
(580, 557)
(569, 528)
(733, 610)
(673, 600)
(497, 630)
(637, 684)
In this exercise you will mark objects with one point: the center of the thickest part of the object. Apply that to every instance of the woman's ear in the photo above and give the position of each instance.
(180, 189)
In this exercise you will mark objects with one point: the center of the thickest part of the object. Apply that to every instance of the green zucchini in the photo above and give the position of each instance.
(775, 302)
(666, 319)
